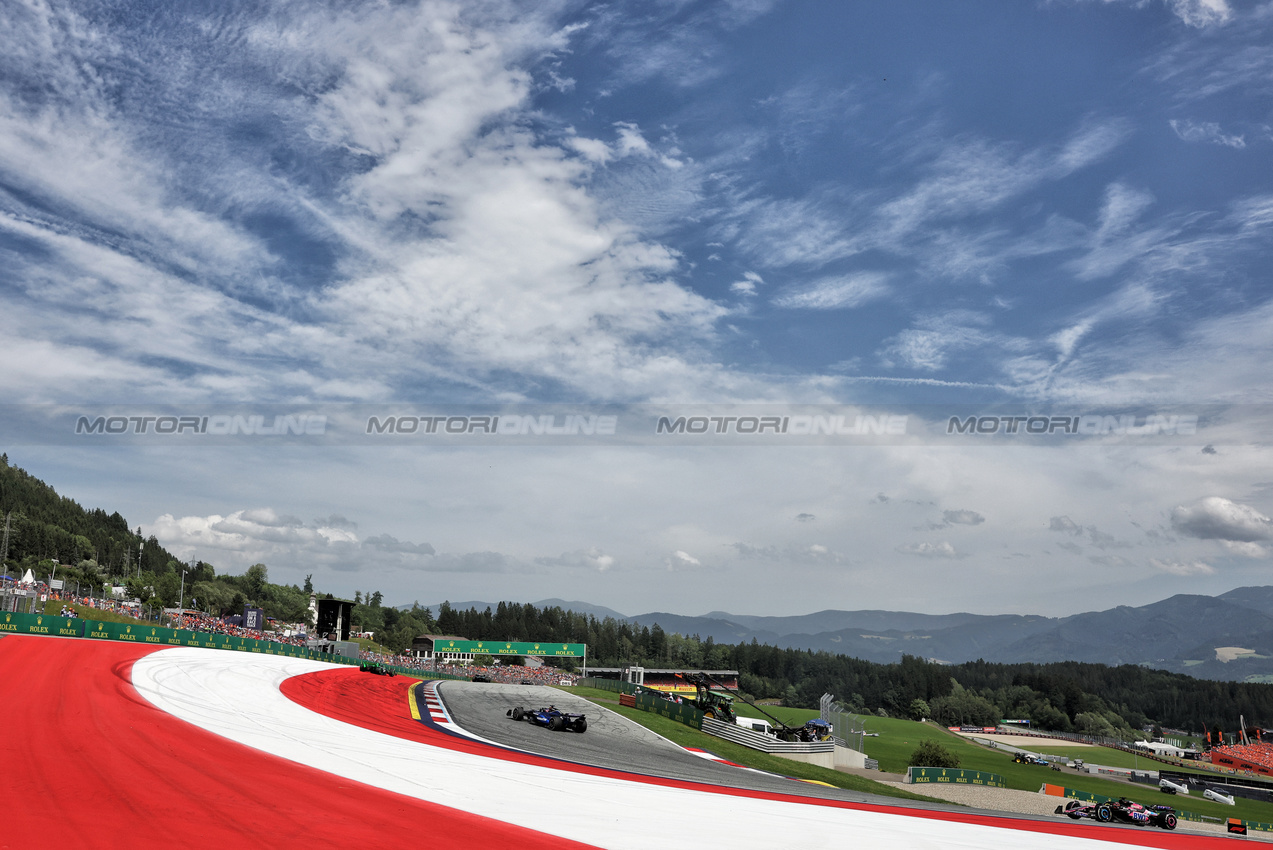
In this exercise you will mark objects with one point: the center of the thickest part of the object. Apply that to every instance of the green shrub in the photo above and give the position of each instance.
(933, 754)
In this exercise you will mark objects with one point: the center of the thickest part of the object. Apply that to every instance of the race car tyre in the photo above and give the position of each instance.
(1169, 821)
(518, 713)
(1104, 813)
(556, 724)
(581, 725)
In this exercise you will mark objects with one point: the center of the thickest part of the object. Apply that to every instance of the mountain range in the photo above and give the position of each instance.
(1227, 637)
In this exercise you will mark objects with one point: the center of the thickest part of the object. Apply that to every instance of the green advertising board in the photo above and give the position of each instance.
(680, 712)
(953, 776)
(158, 636)
(130, 632)
(501, 647)
(40, 624)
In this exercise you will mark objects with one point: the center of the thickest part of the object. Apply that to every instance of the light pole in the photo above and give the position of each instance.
(181, 601)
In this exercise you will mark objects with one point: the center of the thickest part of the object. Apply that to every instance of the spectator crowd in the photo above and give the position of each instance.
(1257, 753)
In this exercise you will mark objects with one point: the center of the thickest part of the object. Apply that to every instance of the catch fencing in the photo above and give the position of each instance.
(847, 728)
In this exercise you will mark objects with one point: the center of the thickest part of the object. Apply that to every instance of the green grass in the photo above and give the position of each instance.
(686, 736)
(53, 608)
(898, 739)
(1100, 755)
(372, 646)
(789, 716)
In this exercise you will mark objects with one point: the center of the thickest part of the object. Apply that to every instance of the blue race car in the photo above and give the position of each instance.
(552, 717)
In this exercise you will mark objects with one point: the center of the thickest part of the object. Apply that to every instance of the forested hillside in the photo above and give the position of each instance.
(44, 526)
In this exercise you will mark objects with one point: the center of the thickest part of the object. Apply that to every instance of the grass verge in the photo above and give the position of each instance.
(899, 738)
(686, 736)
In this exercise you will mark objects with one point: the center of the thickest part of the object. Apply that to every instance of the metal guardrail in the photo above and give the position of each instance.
(764, 743)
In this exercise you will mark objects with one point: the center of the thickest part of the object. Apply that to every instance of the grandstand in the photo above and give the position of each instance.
(1254, 757)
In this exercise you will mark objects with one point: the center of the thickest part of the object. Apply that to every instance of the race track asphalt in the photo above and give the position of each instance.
(612, 741)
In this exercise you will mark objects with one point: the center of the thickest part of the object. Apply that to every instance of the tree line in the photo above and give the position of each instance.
(1064, 696)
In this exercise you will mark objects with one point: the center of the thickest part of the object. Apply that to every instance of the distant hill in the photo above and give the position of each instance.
(1181, 634)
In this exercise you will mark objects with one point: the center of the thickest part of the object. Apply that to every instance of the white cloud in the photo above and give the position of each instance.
(1202, 13)
(930, 550)
(453, 206)
(680, 560)
(835, 293)
(934, 339)
(815, 553)
(1218, 518)
(1205, 131)
(593, 150)
(1179, 568)
(747, 286)
(591, 558)
(962, 517)
(261, 535)
(1195, 13)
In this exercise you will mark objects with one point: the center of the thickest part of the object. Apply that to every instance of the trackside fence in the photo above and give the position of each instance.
(140, 633)
(648, 699)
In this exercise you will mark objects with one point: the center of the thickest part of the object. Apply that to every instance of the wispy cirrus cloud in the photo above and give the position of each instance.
(1199, 14)
(835, 293)
(431, 185)
(1205, 131)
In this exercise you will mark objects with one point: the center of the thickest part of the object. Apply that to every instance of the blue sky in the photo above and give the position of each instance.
(1064, 204)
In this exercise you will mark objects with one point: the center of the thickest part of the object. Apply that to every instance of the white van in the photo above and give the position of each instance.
(761, 726)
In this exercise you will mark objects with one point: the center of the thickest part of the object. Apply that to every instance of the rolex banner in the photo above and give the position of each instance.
(40, 624)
